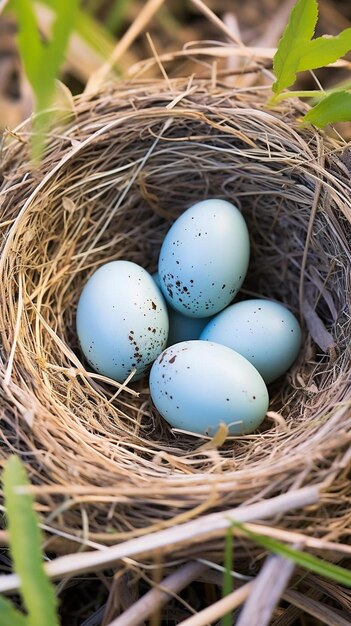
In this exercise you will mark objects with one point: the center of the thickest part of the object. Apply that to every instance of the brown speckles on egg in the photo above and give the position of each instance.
(163, 355)
(133, 307)
(210, 362)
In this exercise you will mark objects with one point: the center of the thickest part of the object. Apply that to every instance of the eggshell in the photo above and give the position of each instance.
(197, 385)
(182, 327)
(122, 320)
(204, 258)
(263, 331)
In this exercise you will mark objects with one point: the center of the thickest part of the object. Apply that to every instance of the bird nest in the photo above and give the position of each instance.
(103, 463)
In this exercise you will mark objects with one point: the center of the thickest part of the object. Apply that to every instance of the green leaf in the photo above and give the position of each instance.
(66, 13)
(29, 41)
(25, 541)
(307, 561)
(297, 34)
(51, 59)
(335, 107)
(9, 616)
(95, 35)
(324, 50)
(42, 60)
(227, 578)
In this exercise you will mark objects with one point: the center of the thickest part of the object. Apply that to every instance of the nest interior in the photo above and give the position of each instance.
(115, 175)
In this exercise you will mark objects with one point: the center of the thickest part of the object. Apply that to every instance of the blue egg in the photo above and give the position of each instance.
(182, 327)
(264, 332)
(122, 320)
(204, 258)
(197, 385)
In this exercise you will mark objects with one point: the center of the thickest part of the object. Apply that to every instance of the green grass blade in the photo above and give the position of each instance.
(297, 34)
(227, 578)
(25, 541)
(335, 107)
(90, 30)
(9, 616)
(29, 42)
(42, 61)
(307, 561)
(66, 13)
(94, 34)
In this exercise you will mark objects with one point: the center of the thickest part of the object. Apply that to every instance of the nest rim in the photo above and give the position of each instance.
(55, 234)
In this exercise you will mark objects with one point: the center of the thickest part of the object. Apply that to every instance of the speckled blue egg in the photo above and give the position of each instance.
(122, 320)
(182, 327)
(197, 385)
(263, 331)
(204, 258)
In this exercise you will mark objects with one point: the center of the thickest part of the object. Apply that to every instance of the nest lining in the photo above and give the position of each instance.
(112, 181)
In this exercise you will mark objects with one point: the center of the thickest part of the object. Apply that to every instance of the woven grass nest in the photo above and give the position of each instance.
(104, 465)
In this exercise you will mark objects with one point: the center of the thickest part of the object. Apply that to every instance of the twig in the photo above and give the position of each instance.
(157, 597)
(230, 21)
(314, 209)
(95, 619)
(296, 537)
(267, 590)
(212, 17)
(156, 55)
(251, 52)
(220, 608)
(206, 526)
(8, 372)
(124, 594)
(292, 612)
(145, 15)
(317, 609)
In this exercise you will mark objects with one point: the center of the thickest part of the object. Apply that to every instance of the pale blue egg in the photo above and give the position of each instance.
(204, 258)
(181, 327)
(264, 332)
(122, 320)
(197, 385)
